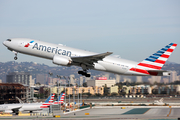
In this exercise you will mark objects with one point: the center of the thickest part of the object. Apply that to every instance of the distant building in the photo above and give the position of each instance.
(9, 92)
(69, 90)
(101, 83)
(72, 79)
(42, 79)
(139, 79)
(118, 78)
(31, 82)
(139, 89)
(19, 77)
(165, 80)
(127, 80)
(81, 80)
(173, 76)
(113, 89)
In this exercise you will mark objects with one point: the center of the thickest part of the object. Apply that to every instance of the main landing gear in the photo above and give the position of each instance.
(15, 58)
(84, 73)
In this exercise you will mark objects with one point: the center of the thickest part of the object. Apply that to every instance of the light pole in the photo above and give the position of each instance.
(65, 92)
(78, 92)
(81, 92)
(69, 92)
(50, 74)
(60, 92)
(73, 95)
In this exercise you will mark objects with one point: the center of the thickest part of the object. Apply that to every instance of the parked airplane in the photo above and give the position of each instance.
(60, 99)
(66, 56)
(37, 106)
(15, 108)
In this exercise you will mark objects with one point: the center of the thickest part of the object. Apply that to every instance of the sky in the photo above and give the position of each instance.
(132, 29)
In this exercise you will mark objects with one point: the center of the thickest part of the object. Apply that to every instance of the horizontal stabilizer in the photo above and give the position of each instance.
(159, 72)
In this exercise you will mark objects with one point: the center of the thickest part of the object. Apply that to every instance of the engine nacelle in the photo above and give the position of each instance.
(61, 60)
(8, 111)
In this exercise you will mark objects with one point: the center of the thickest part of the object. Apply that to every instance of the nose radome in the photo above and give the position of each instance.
(4, 43)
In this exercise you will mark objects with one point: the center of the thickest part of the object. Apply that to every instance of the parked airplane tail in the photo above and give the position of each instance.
(48, 101)
(153, 64)
(61, 99)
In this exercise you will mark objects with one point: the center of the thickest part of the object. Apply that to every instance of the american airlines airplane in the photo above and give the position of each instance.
(15, 108)
(30, 107)
(66, 56)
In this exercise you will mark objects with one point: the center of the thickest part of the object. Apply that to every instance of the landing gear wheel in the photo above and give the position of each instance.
(15, 58)
(84, 73)
(88, 75)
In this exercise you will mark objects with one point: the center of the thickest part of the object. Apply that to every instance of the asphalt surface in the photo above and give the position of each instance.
(113, 113)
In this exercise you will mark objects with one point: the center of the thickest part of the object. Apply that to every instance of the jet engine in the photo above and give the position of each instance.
(8, 111)
(61, 60)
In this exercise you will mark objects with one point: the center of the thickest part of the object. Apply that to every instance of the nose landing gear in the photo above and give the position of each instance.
(15, 58)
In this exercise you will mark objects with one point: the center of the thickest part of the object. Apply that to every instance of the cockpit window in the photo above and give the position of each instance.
(9, 40)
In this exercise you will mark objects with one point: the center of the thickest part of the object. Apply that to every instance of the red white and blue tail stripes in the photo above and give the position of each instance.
(61, 99)
(155, 61)
(48, 101)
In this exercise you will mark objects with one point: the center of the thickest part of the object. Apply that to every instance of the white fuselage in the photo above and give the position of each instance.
(8, 108)
(20, 107)
(48, 50)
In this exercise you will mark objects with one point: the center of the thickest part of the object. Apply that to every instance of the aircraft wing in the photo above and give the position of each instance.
(89, 60)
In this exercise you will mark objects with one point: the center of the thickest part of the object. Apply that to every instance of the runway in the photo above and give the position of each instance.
(113, 113)
(129, 113)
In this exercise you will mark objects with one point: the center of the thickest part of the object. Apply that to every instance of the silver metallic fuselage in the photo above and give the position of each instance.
(48, 50)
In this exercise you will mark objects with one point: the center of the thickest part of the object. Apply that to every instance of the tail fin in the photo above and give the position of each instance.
(48, 101)
(158, 59)
(153, 64)
(61, 99)
(50, 98)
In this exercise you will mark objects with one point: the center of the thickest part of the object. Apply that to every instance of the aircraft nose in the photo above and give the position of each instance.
(4, 43)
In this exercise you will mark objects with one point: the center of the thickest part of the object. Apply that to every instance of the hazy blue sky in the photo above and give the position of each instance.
(133, 29)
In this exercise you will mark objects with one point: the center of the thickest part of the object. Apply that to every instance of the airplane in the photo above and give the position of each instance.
(60, 99)
(37, 106)
(67, 56)
(15, 108)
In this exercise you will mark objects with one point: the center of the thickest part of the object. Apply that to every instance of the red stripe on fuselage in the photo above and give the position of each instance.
(139, 70)
(149, 66)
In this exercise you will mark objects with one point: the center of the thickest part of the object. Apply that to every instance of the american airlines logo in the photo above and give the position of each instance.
(27, 45)
(51, 50)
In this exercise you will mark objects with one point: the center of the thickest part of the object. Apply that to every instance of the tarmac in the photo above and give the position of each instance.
(113, 112)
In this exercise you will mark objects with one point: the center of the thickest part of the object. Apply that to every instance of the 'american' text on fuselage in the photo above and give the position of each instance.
(51, 50)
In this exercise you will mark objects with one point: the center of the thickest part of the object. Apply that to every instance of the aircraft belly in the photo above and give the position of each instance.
(113, 68)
